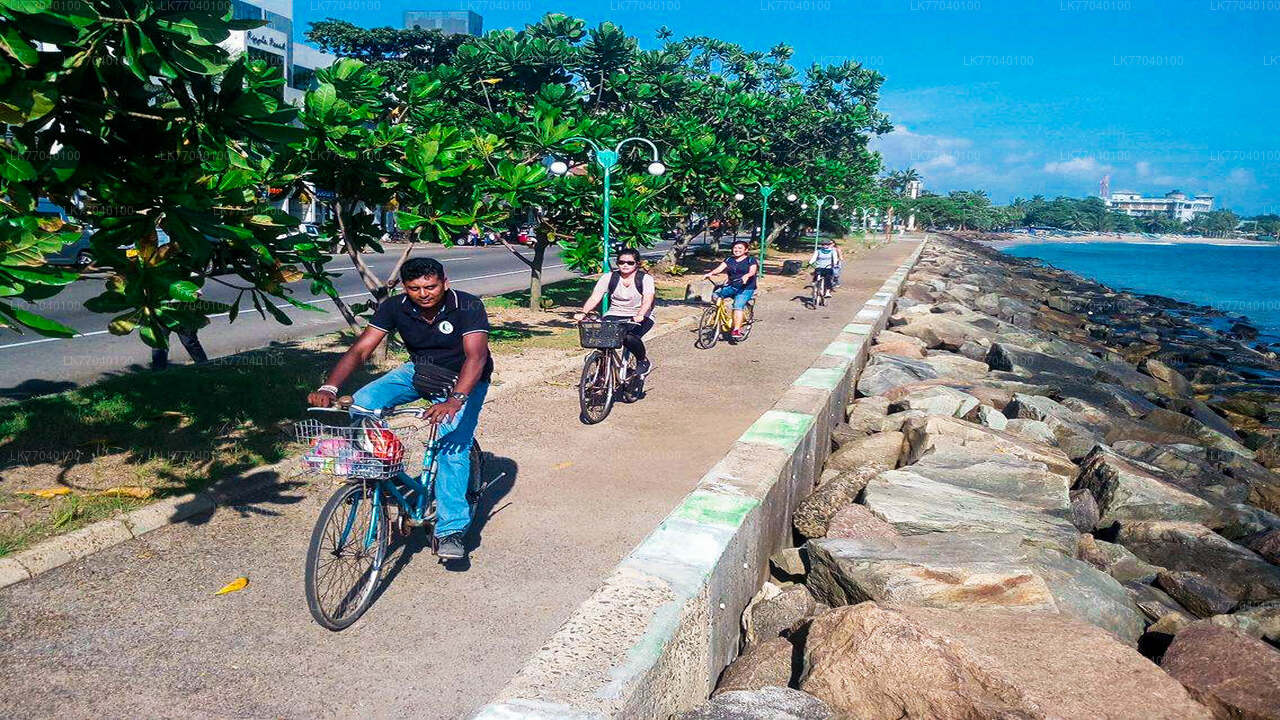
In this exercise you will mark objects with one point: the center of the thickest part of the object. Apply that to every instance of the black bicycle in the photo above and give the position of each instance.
(609, 372)
(821, 288)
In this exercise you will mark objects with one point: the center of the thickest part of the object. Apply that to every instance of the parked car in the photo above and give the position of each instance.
(75, 253)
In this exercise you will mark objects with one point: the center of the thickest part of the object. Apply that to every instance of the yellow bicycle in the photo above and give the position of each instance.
(718, 319)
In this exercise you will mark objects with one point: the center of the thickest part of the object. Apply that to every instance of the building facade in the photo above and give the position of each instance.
(450, 22)
(273, 44)
(1174, 204)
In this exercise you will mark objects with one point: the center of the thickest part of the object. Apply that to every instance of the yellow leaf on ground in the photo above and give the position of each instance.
(563, 465)
(47, 492)
(233, 586)
(133, 491)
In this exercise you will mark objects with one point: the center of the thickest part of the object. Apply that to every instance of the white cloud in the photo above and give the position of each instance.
(1018, 158)
(1077, 167)
(1240, 177)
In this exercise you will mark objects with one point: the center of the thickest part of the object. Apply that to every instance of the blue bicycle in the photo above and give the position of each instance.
(350, 540)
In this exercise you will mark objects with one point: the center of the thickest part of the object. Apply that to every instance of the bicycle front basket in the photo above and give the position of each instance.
(355, 452)
(601, 334)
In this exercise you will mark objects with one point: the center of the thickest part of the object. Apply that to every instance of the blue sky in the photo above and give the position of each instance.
(1016, 97)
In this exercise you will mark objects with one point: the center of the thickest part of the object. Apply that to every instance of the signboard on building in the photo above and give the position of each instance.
(272, 41)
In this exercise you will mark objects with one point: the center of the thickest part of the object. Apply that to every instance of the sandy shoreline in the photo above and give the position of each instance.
(1005, 240)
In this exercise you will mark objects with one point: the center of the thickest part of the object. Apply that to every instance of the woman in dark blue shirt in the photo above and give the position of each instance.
(742, 270)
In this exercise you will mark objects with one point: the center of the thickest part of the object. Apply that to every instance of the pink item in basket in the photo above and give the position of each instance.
(331, 455)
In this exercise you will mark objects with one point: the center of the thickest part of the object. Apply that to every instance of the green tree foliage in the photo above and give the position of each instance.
(129, 113)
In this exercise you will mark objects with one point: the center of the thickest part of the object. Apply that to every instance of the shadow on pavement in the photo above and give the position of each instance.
(500, 477)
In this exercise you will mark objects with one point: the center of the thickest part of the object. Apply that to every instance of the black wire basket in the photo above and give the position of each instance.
(601, 334)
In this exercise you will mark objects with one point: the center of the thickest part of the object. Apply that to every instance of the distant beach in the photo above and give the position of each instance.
(1000, 241)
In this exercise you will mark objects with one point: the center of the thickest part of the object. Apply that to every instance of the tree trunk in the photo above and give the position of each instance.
(684, 238)
(535, 272)
(371, 283)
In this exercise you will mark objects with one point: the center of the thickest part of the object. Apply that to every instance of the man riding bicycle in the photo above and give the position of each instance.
(742, 270)
(826, 257)
(447, 335)
(631, 296)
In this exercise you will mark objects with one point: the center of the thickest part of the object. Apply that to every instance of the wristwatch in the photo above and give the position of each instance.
(460, 397)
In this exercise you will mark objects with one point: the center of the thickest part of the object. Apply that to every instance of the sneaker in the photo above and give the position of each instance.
(643, 368)
(450, 547)
(737, 335)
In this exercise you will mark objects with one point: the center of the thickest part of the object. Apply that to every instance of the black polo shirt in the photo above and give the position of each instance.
(440, 340)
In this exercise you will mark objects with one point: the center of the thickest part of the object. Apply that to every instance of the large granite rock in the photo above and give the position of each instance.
(769, 703)
(885, 372)
(1178, 423)
(940, 331)
(914, 504)
(869, 455)
(1153, 602)
(936, 400)
(1007, 476)
(1189, 467)
(760, 665)
(1239, 572)
(953, 366)
(1036, 431)
(1034, 365)
(877, 663)
(1237, 676)
(814, 512)
(856, 522)
(1084, 511)
(1172, 380)
(936, 433)
(969, 571)
(1196, 593)
(1129, 491)
(867, 414)
(777, 615)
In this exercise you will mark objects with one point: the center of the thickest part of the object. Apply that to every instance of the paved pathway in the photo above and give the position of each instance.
(135, 631)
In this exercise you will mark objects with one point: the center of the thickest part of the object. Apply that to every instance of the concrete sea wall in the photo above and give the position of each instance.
(654, 637)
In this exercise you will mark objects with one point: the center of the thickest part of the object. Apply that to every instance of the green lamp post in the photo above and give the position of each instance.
(765, 192)
(817, 228)
(607, 159)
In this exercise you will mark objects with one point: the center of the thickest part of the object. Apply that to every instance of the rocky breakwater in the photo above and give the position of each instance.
(1029, 513)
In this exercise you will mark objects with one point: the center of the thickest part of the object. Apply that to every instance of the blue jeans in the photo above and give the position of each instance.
(741, 296)
(453, 513)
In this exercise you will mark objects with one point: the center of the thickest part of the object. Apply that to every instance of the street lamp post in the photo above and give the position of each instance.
(765, 192)
(607, 159)
(817, 228)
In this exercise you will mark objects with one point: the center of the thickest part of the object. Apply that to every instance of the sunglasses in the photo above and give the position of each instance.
(626, 262)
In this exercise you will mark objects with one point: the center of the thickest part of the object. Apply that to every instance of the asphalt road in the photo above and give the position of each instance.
(31, 365)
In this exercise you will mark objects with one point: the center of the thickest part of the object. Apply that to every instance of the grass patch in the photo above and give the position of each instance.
(176, 431)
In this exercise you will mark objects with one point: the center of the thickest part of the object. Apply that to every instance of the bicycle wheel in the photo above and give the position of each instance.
(344, 559)
(630, 391)
(708, 328)
(820, 291)
(595, 390)
(748, 320)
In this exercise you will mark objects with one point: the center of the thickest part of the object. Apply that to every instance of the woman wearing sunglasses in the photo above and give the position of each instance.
(631, 293)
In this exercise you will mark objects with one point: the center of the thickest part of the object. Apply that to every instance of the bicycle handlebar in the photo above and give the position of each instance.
(347, 407)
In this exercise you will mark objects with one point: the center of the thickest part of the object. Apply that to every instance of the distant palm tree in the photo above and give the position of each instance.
(898, 180)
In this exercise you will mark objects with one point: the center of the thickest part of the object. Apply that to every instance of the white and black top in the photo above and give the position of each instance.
(628, 297)
(439, 340)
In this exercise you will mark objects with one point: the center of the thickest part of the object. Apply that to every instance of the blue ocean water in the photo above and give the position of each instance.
(1242, 280)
